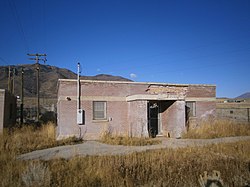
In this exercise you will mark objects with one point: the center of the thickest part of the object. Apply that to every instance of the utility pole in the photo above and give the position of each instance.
(21, 107)
(13, 80)
(9, 82)
(37, 59)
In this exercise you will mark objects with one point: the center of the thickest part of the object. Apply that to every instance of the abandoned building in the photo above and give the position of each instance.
(7, 109)
(131, 108)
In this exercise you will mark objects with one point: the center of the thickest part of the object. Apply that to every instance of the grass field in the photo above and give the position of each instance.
(217, 129)
(30, 138)
(166, 167)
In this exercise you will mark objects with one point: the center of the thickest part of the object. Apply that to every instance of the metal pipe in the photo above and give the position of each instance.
(78, 86)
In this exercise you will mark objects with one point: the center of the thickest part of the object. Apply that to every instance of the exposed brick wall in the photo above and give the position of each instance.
(201, 91)
(205, 109)
(137, 118)
(173, 118)
(116, 122)
(7, 109)
(126, 118)
(67, 119)
(176, 91)
(117, 112)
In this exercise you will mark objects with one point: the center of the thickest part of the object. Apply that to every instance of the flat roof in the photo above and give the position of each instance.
(128, 82)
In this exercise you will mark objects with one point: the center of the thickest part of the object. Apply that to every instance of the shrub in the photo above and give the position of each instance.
(36, 174)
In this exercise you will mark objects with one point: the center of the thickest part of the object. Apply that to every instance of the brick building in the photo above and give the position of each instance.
(7, 109)
(132, 108)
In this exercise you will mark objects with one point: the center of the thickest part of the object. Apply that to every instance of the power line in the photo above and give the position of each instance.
(44, 26)
(19, 24)
(3, 60)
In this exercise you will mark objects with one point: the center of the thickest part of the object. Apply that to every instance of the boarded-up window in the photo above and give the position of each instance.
(99, 110)
(191, 108)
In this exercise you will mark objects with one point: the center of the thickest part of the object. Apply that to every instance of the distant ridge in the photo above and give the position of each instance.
(49, 76)
(105, 77)
(244, 96)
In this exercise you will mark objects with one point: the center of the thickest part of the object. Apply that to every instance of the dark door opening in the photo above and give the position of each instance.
(153, 111)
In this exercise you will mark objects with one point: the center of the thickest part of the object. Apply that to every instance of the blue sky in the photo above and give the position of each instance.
(200, 42)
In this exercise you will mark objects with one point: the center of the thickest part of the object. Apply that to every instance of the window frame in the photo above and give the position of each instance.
(104, 111)
(192, 106)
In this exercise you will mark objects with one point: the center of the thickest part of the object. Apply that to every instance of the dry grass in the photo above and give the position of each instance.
(130, 141)
(30, 138)
(21, 140)
(156, 168)
(166, 167)
(218, 128)
(109, 137)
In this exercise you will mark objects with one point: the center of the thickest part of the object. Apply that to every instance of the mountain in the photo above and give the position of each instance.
(105, 77)
(244, 96)
(49, 76)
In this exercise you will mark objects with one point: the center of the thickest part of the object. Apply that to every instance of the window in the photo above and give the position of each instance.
(99, 110)
(191, 108)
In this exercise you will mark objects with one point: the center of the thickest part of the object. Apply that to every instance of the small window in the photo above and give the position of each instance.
(231, 112)
(191, 108)
(99, 110)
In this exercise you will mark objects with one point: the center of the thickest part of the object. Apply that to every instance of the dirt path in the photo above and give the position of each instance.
(97, 148)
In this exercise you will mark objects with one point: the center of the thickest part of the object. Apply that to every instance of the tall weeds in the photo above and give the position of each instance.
(30, 138)
(166, 167)
(130, 141)
(218, 128)
(21, 140)
(108, 137)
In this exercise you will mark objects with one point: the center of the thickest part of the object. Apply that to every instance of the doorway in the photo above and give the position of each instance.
(153, 118)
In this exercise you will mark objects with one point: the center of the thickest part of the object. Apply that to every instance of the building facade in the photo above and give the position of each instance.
(131, 108)
(7, 109)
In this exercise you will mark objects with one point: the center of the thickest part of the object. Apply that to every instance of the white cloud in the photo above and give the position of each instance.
(132, 75)
(98, 70)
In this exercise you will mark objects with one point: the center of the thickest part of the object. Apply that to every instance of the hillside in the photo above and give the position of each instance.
(244, 96)
(49, 76)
